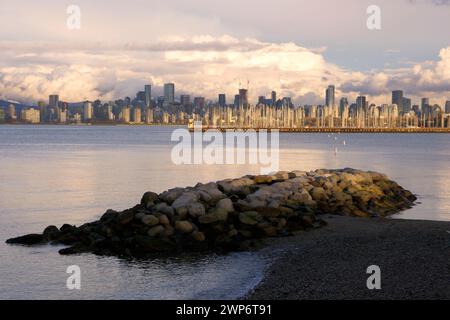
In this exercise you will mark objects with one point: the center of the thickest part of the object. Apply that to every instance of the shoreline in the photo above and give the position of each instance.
(331, 262)
(231, 129)
(327, 130)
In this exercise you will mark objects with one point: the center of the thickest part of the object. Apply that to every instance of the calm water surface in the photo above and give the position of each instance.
(59, 174)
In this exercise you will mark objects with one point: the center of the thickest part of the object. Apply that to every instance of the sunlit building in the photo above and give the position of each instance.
(30, 115)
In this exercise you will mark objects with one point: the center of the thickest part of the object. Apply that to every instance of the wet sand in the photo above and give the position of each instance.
(331, 262)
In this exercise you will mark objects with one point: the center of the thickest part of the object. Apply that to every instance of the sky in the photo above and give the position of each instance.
(206, 47)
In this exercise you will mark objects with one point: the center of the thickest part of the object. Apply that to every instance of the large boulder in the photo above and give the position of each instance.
(196, 209)
(148, 199)
(216, 215)
(250, 218)
(150, 220)
(225, 204)
(184, 226)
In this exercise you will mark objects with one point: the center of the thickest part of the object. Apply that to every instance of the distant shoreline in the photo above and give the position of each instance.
(336, 130)
(223, 129)
(94, 124)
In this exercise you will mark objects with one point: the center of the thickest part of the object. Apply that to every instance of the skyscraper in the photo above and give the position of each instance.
(425, 105)
(43, 111)
(169, 93)
(342, 103)
(148, 95)
(53, 100)
(87, 111)
(236, 101)
(274, 98)
(185, 99)
(397, 98)
(406, 105)
(243, 97)
(199, 102)
(261, 100)
(140, 96)
(361, 102)
(222, 100)
(329, 96)
(447, 106)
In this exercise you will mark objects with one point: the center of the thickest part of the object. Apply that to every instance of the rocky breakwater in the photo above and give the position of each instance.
(229, 214)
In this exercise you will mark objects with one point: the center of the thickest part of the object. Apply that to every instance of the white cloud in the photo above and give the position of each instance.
(201, 65)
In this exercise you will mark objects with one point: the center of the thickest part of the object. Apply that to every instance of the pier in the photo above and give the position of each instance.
(331, 130)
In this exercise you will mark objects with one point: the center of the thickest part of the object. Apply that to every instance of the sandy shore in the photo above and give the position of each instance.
(331, 262)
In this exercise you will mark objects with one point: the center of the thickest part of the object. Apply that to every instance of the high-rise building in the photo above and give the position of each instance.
(2, 115)
(397, 98)
(136, 115)
(53, 100)
(11, 112)
(140, 96)
(342, 104)
(361, 102)
(243, 97)
(185, 99)
(406, 105)
(30, 115)
(261, 100)
(425, 106)
(222, 100)
(43, 111)
(87, 111)
(125, 114)
(274, 98)
(199, 102)
(236, 100)
(149, 115)
(330, 96)
(148, 95)
(447, 106)
(169, 93)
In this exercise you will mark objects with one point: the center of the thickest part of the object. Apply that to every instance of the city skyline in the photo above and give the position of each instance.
(207, 47)
(272, 112)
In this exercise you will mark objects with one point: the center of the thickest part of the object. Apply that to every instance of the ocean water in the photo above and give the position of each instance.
(72, 174)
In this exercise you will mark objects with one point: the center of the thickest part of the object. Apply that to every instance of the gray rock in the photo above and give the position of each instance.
(250, 218)
(263, 179)
(198, 236)
(148, 199)
(150, 220)
(184, 226)
(210, 193)
(184, 200)
(225, 204)
(216, 215)
(155, 231)
(170, 195)
(196, 209)
(165, 209)
(164, 220)
(125, 217)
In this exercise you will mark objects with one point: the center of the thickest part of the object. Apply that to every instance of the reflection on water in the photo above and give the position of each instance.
(57, 174)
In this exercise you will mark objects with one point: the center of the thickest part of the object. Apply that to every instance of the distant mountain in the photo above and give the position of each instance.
(19, 106)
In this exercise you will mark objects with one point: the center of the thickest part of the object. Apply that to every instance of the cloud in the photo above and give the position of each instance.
(201, 65)
(434, 2)
(429, 78)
